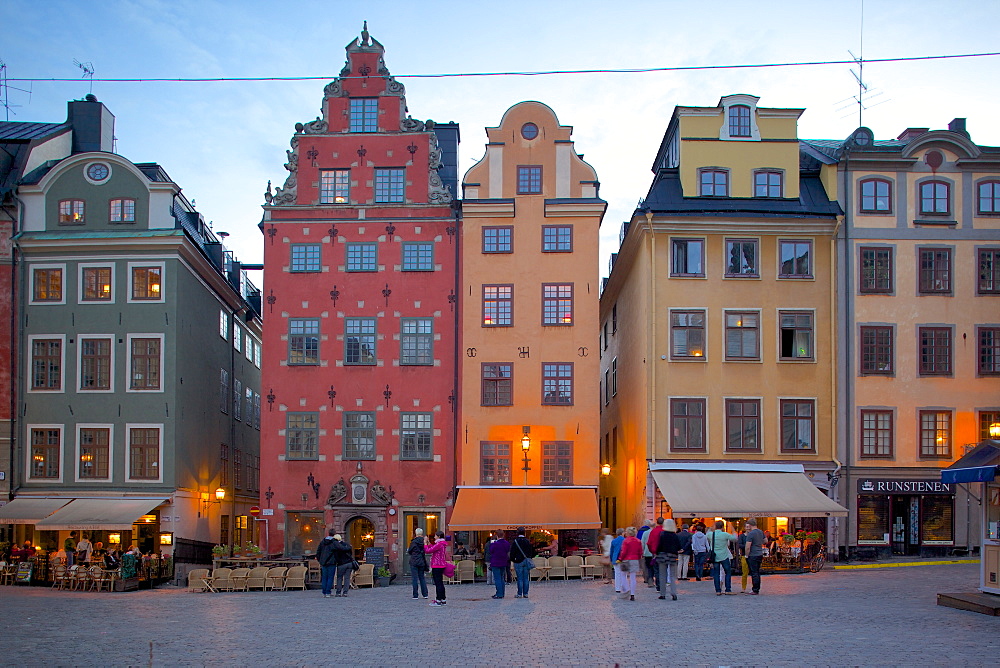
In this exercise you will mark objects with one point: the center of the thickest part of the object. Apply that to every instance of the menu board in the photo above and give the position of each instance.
(375, 555)
(23, 575)
(584, 539)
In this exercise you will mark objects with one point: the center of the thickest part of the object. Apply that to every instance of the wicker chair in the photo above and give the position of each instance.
(597, 569)
(574, 565)
(465, 571)
(275, 579)
(364, 576)
(296, 578)
(535, 573)
(221, 579)
(239, 578)
(557, 567)
(196, 579)
(257, 578)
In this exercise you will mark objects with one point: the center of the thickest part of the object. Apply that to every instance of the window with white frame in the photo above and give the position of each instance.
(145, 362)
(144, 452)
(46, 452)
(796, 335)
(94, 452)
(334, 186)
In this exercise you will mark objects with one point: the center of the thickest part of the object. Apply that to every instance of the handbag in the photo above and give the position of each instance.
(711, 551)
(449, 569)
(625, 566)
(355, 565)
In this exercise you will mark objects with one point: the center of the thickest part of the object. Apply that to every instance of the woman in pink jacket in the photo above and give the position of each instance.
(436, 548)
(629, 558)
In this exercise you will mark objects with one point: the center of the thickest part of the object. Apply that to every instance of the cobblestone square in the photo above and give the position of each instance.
(873, 617)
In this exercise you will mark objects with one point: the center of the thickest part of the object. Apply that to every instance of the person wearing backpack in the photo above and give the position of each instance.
(522, 553)
(418, 563)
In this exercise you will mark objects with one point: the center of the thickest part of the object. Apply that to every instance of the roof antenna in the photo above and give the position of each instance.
(5, 89)
(88, 72)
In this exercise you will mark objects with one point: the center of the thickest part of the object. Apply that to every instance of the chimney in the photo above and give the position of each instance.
(910, 133)
(93, 125)
(958, 125)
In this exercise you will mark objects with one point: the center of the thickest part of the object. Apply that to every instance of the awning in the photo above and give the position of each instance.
(979, 465)
(755, 491)
(25, 510)
(99, 514)
(479, 508)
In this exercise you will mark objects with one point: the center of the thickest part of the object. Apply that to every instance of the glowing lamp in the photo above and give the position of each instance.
(605, 469)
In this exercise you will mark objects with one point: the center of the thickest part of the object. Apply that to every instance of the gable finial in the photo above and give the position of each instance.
(364, 35)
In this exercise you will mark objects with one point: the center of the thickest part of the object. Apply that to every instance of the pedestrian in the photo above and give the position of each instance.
(649, 552)
(647, 557)
(684, 556)
(628, 561)
(327, 563)
(741, 542)
(606, 539)
(755, 554)
(344, 558)
(69, 547)
(699, 547)
(487, 553)
(83, 550)
(718, 542)
(418, 563)
(437, 548)
(616, 548)
(667, 551)
(500, 563)
(522, 553)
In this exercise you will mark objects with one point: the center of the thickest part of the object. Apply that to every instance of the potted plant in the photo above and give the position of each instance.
(384, 576)
(220, 551)
(251, 550)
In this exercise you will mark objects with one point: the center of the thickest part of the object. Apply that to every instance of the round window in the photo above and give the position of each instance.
(98, 171)
(529, 130)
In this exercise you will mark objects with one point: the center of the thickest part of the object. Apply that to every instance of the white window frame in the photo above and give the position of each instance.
(163, 282)
(62, 452)
(79, 282)
(248, 344)
(128, 353)
(79, 363)
(237, 338)
(29, 370)
(129, 426)
(31, 288)
(735, 100)
(111, 452)
(224, 324)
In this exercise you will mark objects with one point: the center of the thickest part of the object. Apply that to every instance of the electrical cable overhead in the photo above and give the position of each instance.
(638, 70)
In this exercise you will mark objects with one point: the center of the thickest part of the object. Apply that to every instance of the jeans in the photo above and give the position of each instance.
(726, 565)
(326, 578)
(344, 578)
(753, 565)
(438, 575)
(699, 564)
(523, 571)
(418, 578)
(498, 580)
(667, 573)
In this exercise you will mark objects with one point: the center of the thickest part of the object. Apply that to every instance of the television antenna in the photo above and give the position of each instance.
(5, 89)
(866, 93)
(88, 71)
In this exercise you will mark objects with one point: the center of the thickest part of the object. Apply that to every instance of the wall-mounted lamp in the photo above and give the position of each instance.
(167, 538)
(995, 431)
(206, 500)
(525, 446)
(605, 469)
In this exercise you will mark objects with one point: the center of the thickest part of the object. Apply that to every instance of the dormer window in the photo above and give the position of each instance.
(364, 114)
(713, 183)
(739, 120)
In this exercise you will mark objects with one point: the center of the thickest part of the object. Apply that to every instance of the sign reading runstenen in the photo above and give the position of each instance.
(885, 486)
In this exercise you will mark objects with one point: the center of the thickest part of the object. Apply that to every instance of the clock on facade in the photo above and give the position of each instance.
(98, 171)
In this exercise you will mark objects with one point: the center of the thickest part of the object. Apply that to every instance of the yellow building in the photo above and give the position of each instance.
(717, 326)
(529, 310)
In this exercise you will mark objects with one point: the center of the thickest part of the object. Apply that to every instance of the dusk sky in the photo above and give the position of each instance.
(222, 141)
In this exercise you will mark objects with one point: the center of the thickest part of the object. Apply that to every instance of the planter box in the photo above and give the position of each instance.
(383, 582)
(127, 584)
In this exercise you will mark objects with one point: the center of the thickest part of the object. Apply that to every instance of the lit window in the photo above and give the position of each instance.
(305, 257)
(96, 284)
(498, 305)
(390, 186)
(334, 186)
(796, 259)
(529, 180)
(122, 211)
(796, 335)
(557, 304)
(45, 448)
(742, 335)
(767, 183)
(935, 434)
(364, 114)
(687, 335)
(95, 446)
(798, 426)
(146, 283)
(47, 285)
(71, 212)
(713, 183)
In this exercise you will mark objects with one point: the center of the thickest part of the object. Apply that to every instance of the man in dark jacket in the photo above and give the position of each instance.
(521, 553)
(684, 556)
(500, 563)
(327, 559)
(418, 563)
(343, 555)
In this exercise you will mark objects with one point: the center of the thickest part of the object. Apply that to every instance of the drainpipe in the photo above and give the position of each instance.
(457, 205)
(834, 522)
(651, 350)
(849, 347)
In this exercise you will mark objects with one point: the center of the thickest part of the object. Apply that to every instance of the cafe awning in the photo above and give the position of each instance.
(481, 508)
(26, 510)
(742, 490)
(979, 465)
(99, 514)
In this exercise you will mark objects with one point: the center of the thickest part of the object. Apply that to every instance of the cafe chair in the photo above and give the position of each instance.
(364, 576)
(257, 578)
(557, 567)
(196, 579)
(465, 571)
(574, 566)
(275, 580)
(296, 578)
(221, 579)
(537, 573)
(239, 578)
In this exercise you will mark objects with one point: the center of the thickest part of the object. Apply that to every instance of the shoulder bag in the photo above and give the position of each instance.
(711, 551)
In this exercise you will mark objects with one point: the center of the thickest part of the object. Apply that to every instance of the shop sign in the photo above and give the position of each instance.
(897, 486)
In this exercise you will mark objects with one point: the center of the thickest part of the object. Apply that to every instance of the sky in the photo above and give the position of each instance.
(222, 142)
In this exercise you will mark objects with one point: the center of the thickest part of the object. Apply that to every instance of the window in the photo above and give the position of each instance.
(876, 350)
(741, 258)
(687, 425)
(45, 448)
(935, 351)
(935, 198)
(237, 338)
(767, 183)
(989, 351)
(557, 384)
(305, 257)
(145, 366)
(96, 284)
(359, 341)
(248, 406)
(989, 271)
(494, 460)
(987, 418)
(557, 238)
(224, 391)
(876, 196)
(614, 377)
(334, 186)
(302, 436)
(687, 335)
(498, 239)
(95, 363)
(256, 411)
(237, 399)
(557, 304)
(144, 453)
(46, 364)
(529, 131)
(796, 335)
(876, 271)
(71, 212)
(146, 283)
(416, 341)
(876, 433)
(47, 284)
(607, 386)
(248, 344)
(988, 197)
(364, 114)
(359, 435)
(237, 468)
(498, 387)
(303, 341)
(713, 183)
(797, 425)
(935, 271)
(614, 318)
(796, 259)
(742, 335)
(498, 305)
(687, 257)
(122, 211)
(95, 447)
(529, 179)
(739, 120)
(743, 425)
(557, 462)
(224, 325)
(390, 185)
(935, 434)
(362, 257)
(415, 431)
(418, 256)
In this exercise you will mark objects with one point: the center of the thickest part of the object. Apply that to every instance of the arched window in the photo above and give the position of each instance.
(739, 120)
(988, 197)
(935, 198)
(876, 196)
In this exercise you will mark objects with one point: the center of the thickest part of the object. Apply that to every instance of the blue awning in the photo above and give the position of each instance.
(979, 465)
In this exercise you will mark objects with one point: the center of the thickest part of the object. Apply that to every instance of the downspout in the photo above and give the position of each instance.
(456, 434)
(15, 373)
(651, 350)
(835, 522)
(849, 348)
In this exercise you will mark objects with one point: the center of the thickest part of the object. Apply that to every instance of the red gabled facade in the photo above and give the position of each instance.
(358, 428)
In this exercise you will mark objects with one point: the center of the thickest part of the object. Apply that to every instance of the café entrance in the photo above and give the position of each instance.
(905, 535)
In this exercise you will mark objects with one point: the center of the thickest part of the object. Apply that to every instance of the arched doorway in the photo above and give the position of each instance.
(360, 534)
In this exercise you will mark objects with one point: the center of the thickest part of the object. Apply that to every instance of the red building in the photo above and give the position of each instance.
(360, 257)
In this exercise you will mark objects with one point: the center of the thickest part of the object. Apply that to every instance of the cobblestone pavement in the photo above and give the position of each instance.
(877, 617)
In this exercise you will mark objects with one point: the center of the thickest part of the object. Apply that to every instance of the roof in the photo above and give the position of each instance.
(15, 142)
(20, 131)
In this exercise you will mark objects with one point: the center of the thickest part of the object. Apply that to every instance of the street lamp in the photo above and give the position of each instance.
(220, 496)
(525, 446)
(605, 469)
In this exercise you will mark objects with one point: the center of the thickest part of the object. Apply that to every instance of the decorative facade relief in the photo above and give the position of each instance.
(437, 193)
